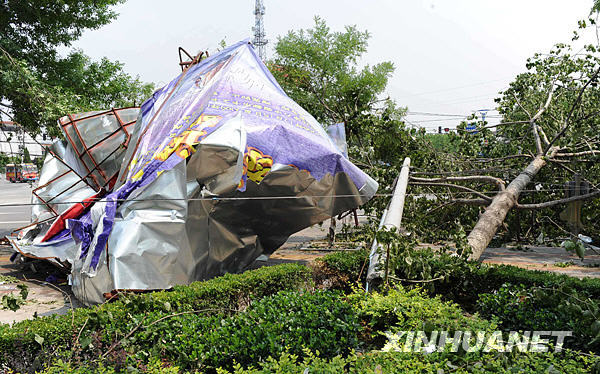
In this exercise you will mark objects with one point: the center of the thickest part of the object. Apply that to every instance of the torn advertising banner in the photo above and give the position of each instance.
(220, 167)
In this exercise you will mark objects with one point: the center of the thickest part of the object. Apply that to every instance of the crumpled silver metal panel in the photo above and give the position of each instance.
(258, 176)
(59, 187)
(148, 248)
(59, 183)
(191, 223)
(97, 138)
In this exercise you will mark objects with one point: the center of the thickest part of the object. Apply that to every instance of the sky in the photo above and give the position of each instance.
(452, 57)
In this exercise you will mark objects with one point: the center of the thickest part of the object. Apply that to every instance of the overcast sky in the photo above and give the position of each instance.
(451, 56)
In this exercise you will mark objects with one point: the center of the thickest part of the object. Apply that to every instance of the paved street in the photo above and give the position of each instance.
(12, 217)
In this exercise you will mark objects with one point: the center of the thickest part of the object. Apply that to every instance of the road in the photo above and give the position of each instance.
(13, 217)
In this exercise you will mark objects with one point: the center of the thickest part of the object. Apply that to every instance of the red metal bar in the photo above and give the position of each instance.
(73, 170)
(86, 149)
(46, 184)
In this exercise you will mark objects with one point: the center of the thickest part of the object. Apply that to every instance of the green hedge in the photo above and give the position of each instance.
(28, 343)
(520, 299)
(467, 279)
(396, 362)
(378, 363)
(519, 307)
(402, 309)
(496, 275)
(305, 330)
(346, 264)
(285, 322)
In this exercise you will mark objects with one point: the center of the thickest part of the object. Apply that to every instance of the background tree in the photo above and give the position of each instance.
(37, 84)
(26, 155)
(321, 70)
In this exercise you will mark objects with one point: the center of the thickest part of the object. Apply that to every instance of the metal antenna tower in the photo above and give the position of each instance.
(260, 39)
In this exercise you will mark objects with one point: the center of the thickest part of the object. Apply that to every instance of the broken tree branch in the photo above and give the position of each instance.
(577, 154)
(494, 215)
(140, 325)
(502, 158)
(456, 186)
(534, 127)
(470, 178)
(567, 121)
(469, 202)
(552, 203)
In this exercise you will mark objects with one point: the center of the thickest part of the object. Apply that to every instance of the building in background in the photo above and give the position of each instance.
(13, 141)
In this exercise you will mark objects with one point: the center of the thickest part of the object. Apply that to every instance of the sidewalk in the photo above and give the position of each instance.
(43, 299)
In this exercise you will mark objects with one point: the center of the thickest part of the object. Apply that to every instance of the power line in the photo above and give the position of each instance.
(433, 114)
(217, 198)
(458, 87)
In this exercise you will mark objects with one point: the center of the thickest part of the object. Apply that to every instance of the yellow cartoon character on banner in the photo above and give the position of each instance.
(183, 145)
(256, 165)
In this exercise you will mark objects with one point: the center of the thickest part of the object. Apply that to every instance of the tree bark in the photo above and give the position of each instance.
(495, 213)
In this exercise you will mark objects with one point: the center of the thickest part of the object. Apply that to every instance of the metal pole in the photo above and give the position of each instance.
(391, 218)
(22, 146)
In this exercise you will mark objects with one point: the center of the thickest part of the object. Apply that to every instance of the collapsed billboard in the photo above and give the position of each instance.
(215, 169)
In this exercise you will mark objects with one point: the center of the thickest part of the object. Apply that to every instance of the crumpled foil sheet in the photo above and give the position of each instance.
(215, 169)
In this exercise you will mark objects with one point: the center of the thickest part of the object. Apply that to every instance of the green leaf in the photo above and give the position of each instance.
(84, 340)
(39, 339)
(24, 290)
(569, 245)
(580, 250)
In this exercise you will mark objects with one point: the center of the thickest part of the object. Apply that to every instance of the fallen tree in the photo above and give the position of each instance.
(550, 117)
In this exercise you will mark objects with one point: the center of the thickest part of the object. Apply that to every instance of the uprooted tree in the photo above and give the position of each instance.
(550, 124)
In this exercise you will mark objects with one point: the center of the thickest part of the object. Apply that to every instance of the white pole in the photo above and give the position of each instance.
(391, 218)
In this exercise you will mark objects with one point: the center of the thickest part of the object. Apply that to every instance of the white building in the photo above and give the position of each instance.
(13, 139)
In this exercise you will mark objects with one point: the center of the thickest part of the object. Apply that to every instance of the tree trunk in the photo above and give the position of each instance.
(495, 213)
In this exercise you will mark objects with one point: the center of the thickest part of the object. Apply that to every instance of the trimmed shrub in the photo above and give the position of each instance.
(347, 263)
(28, 344)
(398, 362)
(412, 310)
(285, 322)
(545, 309)
(61, 367)
(463, 280)
(521, 299)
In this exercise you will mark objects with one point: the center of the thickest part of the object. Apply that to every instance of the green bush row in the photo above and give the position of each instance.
(291, 325)
(463, 280)
(519, 299)
(398, 362)
(518, 307)
(567, 362)
(31, 343)
(285, 322)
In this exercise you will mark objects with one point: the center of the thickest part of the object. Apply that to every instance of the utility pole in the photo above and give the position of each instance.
(391, 218)
(260, 37)
(22, 145)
